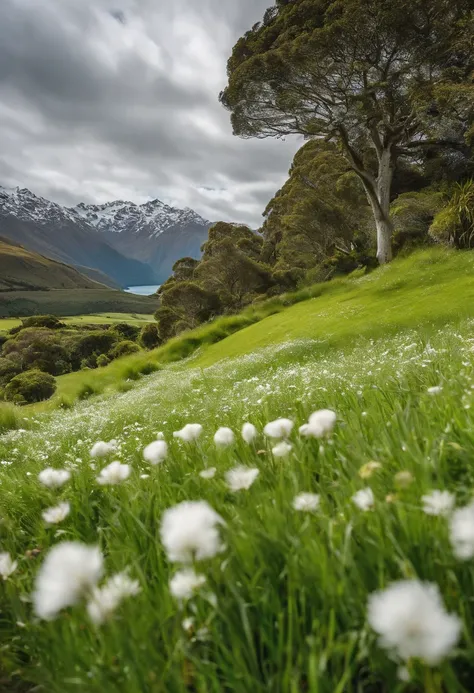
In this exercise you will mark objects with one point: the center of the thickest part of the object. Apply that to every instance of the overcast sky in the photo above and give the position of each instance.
(104, 100)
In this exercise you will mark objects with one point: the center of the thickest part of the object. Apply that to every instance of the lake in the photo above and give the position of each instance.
(147, 290)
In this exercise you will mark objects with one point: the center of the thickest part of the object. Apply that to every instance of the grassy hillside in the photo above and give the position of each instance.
(282, 604)
(74, 302)
(24, 270)
(427, 289)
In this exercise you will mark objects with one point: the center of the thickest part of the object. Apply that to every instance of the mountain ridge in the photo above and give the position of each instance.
(152, 234)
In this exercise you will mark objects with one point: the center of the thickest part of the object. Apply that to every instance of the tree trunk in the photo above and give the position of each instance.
(378, 195)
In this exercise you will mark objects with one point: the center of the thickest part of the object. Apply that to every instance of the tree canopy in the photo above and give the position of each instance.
(368, 75)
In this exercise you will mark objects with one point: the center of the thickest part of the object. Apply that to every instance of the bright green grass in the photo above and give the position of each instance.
(291, 589)
(427, 289)
(94, 319)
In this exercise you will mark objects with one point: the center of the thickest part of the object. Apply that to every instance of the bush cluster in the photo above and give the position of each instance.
(42, 347)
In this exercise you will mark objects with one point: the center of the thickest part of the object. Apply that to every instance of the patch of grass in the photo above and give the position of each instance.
(90, 319)
(284, 606)
(10, 417)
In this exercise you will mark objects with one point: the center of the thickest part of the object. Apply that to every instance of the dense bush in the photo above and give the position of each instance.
(102, 360)
(38, 348)
(124, 330)
(454, 224)
(124, 348)
(150, 336)
(8, 370)
(30, 386)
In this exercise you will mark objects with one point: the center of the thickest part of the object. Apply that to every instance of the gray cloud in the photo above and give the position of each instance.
(117, 99)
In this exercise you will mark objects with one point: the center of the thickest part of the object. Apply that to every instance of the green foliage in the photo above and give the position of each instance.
(124, 348)
(8, 369)
(31, 386)
(39, 348)
(88, 390)
(413, 214)
(454, 224)
(125, 330)
(150, 336)
(364, 74)
(191, 304)
(103, 360)
(9, 418)
(96, 342)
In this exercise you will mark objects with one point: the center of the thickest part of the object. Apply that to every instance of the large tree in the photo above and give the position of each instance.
(361, 73)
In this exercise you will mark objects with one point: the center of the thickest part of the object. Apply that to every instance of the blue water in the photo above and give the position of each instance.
(143, 290)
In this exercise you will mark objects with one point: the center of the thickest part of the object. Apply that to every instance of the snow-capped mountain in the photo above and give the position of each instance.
(152, 217)
(153, 235)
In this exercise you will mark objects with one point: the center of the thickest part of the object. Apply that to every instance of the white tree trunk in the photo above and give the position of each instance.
(378, 195)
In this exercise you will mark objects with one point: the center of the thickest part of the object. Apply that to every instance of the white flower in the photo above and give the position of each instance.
(114, 473)
(105, 600)
(249, 432)
(320, 424)
(306, 502)
(155, 452)
(208, 473)
(241, 478)
(102, 449)
(185, 583)
(190, 531)
(282, 449)
(188, 624)
(461, 529)
(410, 618)
(7, 566)
(367, 469)
(69, 571)
(189, 433)
(438, 503)
(56, 514)
(364, 499)
(224, 436)
(280, 428)
(54, 478)
(144, 476)
(435, 390)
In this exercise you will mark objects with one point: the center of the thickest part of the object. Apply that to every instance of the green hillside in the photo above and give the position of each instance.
(423, 291)
(24, 270)
(293, 593)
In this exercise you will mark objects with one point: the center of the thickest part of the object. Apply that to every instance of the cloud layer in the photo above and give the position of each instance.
(117, 99)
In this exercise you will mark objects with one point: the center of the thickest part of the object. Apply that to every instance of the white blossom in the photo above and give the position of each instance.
(102, 449)
(435, 390)
(249, 432)
(208, 473)
(321, 423)
(104, 600)
(412, 622)
(7, 566)
(306, 502)
(185, 583)
(190, 530)
(282, 449)
(280, 428)
(224, 436)
(241, 478)
(364, 499)
(461, 529)
(57, 514)
(69, 571)
(114, 473)
(367, 469)
(189, 433)
(438, 502)
(54, 478)
(155, 452)
(188, 624)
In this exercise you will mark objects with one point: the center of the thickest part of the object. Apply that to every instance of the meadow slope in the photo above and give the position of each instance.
(282, 601)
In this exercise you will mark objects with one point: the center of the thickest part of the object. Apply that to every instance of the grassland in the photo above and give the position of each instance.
(89, 319)
(284, 608)
(422, 291)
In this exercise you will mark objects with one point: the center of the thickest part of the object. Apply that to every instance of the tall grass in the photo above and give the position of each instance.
(289, 611)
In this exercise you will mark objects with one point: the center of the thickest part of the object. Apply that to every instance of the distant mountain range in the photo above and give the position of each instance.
(132, 244)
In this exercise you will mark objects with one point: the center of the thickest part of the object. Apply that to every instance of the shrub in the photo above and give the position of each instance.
(39, 348)
(124, 330)
(9, 418)
(8, 370)
(96, 342)
(124, 348)
(102, 360)
(31, 386)
(87, 390)
(150, 336)
(454, 224)
(149, 368)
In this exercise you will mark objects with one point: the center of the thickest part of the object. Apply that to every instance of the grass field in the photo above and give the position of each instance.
(282, 601)
(93, 319)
